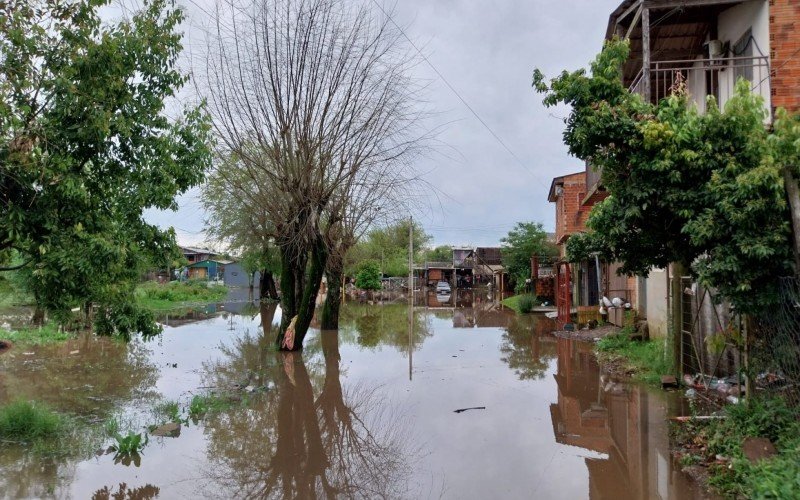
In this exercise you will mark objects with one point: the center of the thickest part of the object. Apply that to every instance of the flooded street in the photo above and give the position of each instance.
(444, 401)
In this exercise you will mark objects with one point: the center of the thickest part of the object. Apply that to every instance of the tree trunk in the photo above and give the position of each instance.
(305, 283)
(333, 300)
(38, 316)
(793, 194)
(267, 286)
(678, 270)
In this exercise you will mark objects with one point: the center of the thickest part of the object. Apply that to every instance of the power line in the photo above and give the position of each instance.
(457, 94)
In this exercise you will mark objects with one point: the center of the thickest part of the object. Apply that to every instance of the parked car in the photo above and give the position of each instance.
(442, 287)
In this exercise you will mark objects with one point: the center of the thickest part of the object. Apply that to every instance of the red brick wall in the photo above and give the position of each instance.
(784, 29)
(570, 214)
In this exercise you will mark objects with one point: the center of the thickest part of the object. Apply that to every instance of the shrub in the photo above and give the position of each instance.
(527, 303)
(369, 276)
(28, 421)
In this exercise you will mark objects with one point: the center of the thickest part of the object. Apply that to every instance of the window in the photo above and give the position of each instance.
(743, 68)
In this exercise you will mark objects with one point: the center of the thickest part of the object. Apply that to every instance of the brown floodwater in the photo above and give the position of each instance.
(458, 398)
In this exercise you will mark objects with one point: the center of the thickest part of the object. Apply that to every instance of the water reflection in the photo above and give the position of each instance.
(625, 423)
(88, 377)
(527, 347)
(382, 325)
(309, 436)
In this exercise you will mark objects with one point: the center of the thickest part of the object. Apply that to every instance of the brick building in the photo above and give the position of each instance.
(784, 53)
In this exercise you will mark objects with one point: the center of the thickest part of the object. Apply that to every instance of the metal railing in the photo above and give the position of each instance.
(705, 77)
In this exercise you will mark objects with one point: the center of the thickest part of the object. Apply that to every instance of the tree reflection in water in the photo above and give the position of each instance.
(527, 347)
(310, 436)
(385, 325)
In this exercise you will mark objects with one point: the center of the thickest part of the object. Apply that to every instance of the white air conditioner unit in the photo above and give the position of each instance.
(716, 49)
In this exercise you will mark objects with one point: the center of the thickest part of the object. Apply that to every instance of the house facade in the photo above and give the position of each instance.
(582, 284)
(706, 46)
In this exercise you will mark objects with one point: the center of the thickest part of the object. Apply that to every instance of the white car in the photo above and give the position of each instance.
(442, 287)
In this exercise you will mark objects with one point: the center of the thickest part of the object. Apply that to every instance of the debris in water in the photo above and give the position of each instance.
(172, 429)
(460, 410)
(668, 381)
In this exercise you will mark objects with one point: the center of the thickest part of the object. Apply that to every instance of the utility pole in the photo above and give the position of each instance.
(411, 259)
(410, 297)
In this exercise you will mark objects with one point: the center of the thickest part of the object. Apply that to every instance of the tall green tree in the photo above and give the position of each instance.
(525, 240)
(703, 190)
(86, 146)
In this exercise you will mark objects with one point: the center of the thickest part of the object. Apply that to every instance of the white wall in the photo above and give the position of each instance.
(732, 24)
(657, 311)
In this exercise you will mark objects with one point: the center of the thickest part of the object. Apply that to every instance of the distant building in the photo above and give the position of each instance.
(209, 269)
(234, 276)
(196, 254)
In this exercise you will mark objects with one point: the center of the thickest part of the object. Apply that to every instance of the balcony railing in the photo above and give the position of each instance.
(705, 77)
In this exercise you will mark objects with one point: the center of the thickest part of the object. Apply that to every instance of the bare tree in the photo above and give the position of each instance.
(311, 96)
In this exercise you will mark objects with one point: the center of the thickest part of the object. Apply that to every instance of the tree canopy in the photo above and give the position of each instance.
(525, 240)
(701, 189)
(388, 245)
(86, 147)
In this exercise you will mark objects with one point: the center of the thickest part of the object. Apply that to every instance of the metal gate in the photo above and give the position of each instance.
(563, 293)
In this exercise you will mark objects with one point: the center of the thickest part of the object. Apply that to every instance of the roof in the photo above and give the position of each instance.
(196, 250)
(207, 262)
(559, 181)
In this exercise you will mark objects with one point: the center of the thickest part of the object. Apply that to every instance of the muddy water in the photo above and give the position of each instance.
(455, 399)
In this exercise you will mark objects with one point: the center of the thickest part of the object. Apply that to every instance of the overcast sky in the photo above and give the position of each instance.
(487, 51)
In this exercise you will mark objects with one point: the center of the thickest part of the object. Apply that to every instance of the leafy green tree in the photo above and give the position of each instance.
(524, 241)
(442, 253)
(703, 190)
(85, 148)
(238, 216)
(388, 246)
(369, 276)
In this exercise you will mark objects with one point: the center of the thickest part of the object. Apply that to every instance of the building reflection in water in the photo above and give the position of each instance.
(624, 422)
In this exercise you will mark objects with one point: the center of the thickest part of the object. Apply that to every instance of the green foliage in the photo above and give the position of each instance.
(369, 276)
(49, 333)
(239, 216)
(647, 360)
(442, 253)
(130, 444)
(86, 147)
(704, 190)
(522, 303)
(389, 246)
(29, 421)
(526, 240)
(160, 296)
(169, 410)
(771, 418)
(201, 405)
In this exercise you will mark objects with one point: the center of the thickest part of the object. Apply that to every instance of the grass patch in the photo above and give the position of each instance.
(49, 333)
(169, 410)
(522, 304)
(208, 403)
(26, 421)
(162, 296)
(645, 360)
(734, 475)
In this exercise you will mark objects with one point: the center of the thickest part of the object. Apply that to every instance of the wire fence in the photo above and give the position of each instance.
(775, 346)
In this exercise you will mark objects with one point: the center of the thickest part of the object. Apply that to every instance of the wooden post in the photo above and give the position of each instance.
(646, 51)
(793, 194)
(411, 260)
(677, 316)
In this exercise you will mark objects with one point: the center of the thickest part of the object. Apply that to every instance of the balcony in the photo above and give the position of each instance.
(704, 77)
